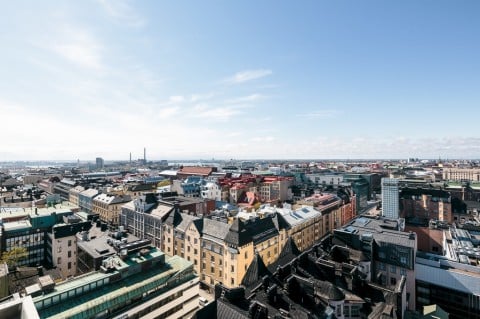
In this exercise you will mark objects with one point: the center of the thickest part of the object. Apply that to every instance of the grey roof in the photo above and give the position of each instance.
(289, 252)
(184, 221)
(121, 199)
(227, 310)
(464, 281)
(328, 291)
(255, 271)
(382, 229)
(257, 230)
(215, 228)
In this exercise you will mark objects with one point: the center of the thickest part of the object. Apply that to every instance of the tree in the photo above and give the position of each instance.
(13, 256)
(164, 183)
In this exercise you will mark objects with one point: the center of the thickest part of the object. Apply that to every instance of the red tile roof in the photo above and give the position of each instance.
(196, 170)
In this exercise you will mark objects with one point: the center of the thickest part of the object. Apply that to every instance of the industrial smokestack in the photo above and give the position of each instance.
(130, 157)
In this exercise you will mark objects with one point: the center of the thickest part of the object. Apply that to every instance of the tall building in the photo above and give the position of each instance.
(390, 197)
(99, 163)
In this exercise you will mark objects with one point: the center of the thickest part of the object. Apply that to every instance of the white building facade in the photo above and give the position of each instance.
(390, 197)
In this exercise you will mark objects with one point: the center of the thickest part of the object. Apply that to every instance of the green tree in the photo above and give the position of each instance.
(13, 256)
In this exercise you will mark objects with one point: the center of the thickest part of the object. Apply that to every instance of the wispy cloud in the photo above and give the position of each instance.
(201, 97)
(247, 99)
(222, 113)
(321, 114)
(248, 75)
(77, 46)
(122, 11)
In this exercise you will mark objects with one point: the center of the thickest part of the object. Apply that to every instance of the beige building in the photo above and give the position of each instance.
(109, 206)
(73, 194)
(64, 254)
(222, 252)
(461, 174)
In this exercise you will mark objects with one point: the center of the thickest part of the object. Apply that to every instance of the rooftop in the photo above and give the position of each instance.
(108, 293)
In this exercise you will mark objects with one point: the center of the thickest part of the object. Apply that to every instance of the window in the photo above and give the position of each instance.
(212, 269)
(69, 243)
(232, 269)
(232, 281)
(212, 259)
(195, 241)
(403, 259)
(69, 254)
(403, 271)
(393, 269)
(246, 255)
(59, 260)
(195, 251)
(69, 265)
(393, 280)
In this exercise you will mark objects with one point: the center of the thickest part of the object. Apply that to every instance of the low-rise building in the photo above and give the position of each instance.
(130, 284)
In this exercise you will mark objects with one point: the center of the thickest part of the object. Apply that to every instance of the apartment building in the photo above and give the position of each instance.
(461, 174)
(62, 245)
(85, 199)
(73, 195)
(426, 204)
(391, 251)
(221, 252)
(108, 207)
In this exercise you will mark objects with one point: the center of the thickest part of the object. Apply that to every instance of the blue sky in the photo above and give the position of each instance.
(245, 79)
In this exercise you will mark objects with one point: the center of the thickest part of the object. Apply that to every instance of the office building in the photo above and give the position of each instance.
(138, 281)
(99, 163)
(390, 197)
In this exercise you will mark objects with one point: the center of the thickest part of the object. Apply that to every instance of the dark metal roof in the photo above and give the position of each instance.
(255, 272)
(256, 231)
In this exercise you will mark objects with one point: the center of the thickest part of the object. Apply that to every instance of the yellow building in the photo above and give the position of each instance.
(109, 206)
(73, 194)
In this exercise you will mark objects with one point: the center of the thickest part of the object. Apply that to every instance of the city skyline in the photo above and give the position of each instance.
(239, 80)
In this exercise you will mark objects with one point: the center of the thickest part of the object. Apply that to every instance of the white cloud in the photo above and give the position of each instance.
(263, 139)
(215, 113)
(246, 99)
(122, 11)
(201, 97)
(321, 114)
(167, 112)
(77, 46)
(248, 75)
(176, 99)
